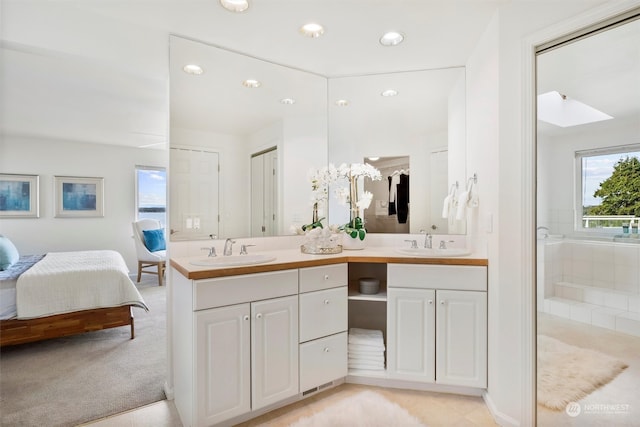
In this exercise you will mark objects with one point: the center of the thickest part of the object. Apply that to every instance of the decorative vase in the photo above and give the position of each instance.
(351, 243)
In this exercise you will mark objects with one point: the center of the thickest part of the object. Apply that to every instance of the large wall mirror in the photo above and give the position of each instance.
(264, 141)
(412, 121)
(588, 250)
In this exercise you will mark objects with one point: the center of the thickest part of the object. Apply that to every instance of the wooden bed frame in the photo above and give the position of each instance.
(14, 331)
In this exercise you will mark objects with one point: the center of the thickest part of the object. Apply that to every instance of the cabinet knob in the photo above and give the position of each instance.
(430, 301)
(259, 316)
(246, 317)
(441, 302)
(326, 302)
(326, 349)
(326, 277)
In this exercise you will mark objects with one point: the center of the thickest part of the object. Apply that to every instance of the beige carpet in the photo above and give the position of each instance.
(71, 380)
(567, 373)
(365, 409)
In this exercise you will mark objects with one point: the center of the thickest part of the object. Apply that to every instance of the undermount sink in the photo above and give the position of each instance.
(233, 260)
(434, 252)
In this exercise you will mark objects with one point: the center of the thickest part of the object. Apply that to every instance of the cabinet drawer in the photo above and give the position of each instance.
(323, 313)
(323, 277)
(323, 360)
(223, 291)
(455, 277)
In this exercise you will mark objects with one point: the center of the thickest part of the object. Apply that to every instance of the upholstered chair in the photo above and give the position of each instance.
(150, 243)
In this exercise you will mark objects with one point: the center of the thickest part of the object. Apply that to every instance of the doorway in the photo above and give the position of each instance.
(264, 193)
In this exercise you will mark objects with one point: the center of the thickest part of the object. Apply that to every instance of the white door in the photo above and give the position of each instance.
(411, 334)
(194, 205)
(274, 341)
(222, 363)
(264, 193)
(461, 331)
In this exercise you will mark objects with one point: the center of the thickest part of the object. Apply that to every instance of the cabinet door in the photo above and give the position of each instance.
(222, 364)
(461, 322)
(411, 334)
(274, 340)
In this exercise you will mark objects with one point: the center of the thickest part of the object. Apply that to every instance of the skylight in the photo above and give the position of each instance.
(563, 111)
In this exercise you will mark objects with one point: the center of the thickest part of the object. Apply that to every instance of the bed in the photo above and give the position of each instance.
(65, 293)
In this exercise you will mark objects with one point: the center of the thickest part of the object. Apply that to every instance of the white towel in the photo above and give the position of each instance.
(461, 212)
(365, 336)
(366, 358)
(367, 366)
(365, 347)
(473, 201)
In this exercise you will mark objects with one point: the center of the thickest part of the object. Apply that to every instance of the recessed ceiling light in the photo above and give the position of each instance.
(373, 159)
(312, 30)
(389, 92)
(235, 5)
(391, 38)
(287, 101)
(252, 83)
(342, 102)
(193, 69)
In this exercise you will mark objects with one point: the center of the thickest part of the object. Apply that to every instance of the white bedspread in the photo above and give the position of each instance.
(64, 282)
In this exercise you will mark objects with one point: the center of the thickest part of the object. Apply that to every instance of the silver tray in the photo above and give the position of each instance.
(321, 251)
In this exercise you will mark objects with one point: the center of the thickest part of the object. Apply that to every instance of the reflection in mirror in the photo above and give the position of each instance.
(415, 114)
(389, 209)
(217, 111)
(588, 282)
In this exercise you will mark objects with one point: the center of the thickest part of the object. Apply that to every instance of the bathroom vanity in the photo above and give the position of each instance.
(249, 339)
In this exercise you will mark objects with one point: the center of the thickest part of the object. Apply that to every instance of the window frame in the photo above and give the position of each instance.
(578, 187)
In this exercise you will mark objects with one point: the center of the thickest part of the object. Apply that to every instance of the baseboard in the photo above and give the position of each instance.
(168, 391)
(499, 417)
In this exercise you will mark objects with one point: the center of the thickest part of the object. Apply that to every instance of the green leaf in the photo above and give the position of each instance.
(354, 234)
(362, 233)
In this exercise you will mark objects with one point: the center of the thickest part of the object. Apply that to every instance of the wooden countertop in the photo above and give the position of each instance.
(293, 258)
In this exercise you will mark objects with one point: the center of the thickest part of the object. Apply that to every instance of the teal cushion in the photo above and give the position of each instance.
(8, 253)
(154, 240)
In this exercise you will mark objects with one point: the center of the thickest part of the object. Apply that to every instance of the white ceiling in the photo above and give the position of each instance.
(97, 71)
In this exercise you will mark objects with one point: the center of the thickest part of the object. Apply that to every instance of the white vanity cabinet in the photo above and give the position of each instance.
(236, 344)
(323, 325)
(437, 324)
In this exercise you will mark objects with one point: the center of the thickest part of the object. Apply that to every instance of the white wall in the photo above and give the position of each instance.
(47, 158)
(495, 151)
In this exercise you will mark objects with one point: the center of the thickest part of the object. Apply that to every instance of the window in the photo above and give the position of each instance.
(609, 189)
(151, 193)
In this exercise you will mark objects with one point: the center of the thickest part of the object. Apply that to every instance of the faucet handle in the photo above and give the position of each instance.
(212, 251)
(414, 244)
(243, 249)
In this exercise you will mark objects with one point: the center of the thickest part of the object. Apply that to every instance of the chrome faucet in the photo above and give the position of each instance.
(414, 244)
(428, 239)
(228, 247)
(243, 249)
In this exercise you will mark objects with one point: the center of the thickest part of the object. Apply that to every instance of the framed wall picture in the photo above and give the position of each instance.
(19, 196)
(78, 197)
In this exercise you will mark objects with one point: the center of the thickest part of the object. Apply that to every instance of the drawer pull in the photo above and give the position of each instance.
(259, 316)
(246, 317)
(326, 302)
(326, 349)
(326, 277)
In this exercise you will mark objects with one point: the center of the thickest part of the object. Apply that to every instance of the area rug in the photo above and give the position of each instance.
(365, 409)
(567, 373)
(72, 380)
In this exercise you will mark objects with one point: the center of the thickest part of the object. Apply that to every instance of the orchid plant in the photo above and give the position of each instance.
(357, 202)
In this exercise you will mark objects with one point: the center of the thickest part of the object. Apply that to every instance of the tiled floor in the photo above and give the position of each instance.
(433, 409)
(614, 404)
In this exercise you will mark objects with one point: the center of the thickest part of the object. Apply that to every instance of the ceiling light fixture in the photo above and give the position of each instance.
(342, 103)
(235, 5)
(373, 159)
(193, 69)
(312, 30)
(389, 92)
(391, 38)
(562, 111)
(287, 101)
(251, 83)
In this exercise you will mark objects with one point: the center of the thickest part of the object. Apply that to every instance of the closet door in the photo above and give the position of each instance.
(264, 193)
